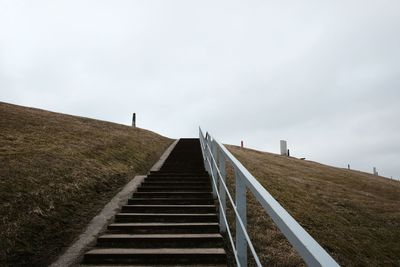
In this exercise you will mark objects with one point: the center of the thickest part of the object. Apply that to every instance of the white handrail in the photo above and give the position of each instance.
(240, 221)
(309, 249)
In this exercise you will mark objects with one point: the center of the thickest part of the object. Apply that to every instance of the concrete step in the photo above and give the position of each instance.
(184, 170)
(181, 178)
(189, 168)
(173, 189)
(165, 217)
(162, 228)
(161, 240)
(179, 174)
(152, 265)
(156, 256)
(188, 194)
(170, 201)
(176, 184)
(168, 208)
(178, 179)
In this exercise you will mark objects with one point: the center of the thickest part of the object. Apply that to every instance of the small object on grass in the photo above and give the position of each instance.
(283, 148)
(134, 120)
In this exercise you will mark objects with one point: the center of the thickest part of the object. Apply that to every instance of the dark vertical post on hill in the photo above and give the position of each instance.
(375, 171)
(134, 120)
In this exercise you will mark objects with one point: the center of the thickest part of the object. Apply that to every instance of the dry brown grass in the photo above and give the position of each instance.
(355, 216)
(56, 172)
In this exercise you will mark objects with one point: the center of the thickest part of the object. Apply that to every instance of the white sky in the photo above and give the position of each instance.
(324, 75)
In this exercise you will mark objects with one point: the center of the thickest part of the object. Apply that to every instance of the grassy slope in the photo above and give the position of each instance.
(56, 172)
(354, 215)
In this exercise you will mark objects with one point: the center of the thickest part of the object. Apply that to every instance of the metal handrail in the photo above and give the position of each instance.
(215, 155)
(240, 221)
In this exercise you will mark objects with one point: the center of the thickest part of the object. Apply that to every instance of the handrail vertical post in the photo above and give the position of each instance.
(206, 144)
(241, 243)
(215, 171)
(222, 192)
(204, 152)
(213, 167)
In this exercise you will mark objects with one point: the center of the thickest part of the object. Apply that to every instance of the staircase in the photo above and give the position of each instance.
(170, 220)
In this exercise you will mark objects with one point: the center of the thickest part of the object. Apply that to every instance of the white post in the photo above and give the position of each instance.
(206, 157)
(222, 192)
(241, 243)
(214, 169)
(283, 148)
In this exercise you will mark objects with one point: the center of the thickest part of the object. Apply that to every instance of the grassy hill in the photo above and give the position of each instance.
(56, 173)
(355, 216)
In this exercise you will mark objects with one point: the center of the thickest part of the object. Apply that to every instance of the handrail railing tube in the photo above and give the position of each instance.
(241, 232)
(312, 253)
(219, 196)
(226, 223)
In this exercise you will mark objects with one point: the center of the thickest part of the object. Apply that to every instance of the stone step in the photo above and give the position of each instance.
(168, 208)
(161, 240)
(156, 256)
(188, 194)
(186, 170)
(172, 189)
(178, 179)
(151, 265)
(181, 178)
(170, 201)
(176, 184)
(161, 228)
(179, 174)
(166, 217)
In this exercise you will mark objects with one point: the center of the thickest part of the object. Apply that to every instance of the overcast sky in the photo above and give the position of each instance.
(323, 75)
